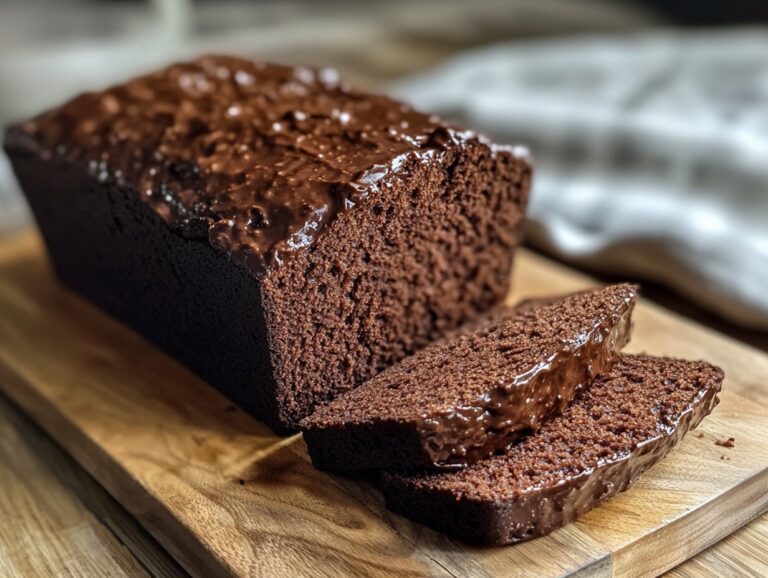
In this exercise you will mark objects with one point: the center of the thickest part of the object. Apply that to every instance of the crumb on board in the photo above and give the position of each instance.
(700, 435)
(728, 443)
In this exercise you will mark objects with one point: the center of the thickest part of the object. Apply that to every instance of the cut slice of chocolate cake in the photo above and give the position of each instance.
(284, 236)
(614, 431)
(459, 400)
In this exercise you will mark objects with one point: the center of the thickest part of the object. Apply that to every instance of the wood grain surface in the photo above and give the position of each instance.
(227, 497)
(741, 554)
(46, 531)
(41, 486)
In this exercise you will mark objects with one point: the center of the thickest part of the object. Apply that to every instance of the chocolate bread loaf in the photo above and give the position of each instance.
(282, 235)
(614, 431)
(460, 400)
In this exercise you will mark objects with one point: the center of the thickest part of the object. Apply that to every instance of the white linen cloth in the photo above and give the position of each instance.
(651, 152)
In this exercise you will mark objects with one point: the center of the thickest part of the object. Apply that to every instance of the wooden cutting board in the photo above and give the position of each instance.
(227, 497)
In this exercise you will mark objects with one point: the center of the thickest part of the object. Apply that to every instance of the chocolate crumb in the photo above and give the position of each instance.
(729, 443)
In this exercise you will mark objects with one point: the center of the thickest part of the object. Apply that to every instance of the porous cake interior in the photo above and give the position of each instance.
(427, 252)
(641, 398)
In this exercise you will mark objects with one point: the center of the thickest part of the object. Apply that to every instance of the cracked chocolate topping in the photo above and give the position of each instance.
(258, 158)
(614, 431)
(460, 400)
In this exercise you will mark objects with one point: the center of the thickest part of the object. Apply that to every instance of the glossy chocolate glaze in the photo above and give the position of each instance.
(522, 402)
(257, 158)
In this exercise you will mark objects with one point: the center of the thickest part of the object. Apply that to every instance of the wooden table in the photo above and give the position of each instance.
(57, 520)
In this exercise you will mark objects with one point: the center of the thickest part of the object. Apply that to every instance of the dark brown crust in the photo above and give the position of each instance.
(458, 401)
(181, 294)
(494, 502)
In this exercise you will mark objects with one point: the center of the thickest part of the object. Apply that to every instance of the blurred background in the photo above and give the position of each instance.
(647, 120)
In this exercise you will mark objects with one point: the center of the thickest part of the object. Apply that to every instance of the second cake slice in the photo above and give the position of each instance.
(620, 426)
(458, 401)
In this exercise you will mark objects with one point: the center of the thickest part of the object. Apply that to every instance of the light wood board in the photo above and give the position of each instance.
(45, 530)
(227, 497)
(57, 520)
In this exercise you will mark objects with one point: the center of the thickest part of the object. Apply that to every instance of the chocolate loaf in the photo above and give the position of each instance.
(614, 431)
(460, 400)
(284, 236)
